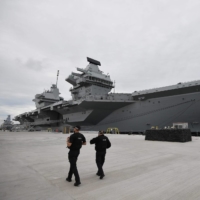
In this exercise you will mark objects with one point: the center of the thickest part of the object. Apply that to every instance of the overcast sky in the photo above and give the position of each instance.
(142, 44)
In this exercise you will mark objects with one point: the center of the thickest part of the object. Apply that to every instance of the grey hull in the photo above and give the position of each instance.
(142, 115)
(159, 112)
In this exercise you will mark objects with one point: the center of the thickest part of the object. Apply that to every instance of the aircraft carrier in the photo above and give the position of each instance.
(95, 107)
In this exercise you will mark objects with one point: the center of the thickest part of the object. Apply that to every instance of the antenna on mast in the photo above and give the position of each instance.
(114, 86)
(57, 78)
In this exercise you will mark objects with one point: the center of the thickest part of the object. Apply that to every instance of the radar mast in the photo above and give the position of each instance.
(57, 78)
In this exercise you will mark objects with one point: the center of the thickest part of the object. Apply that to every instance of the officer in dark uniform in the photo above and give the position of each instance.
(74, 143)
(101, 144)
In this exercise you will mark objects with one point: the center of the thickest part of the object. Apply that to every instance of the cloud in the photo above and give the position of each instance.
(32, 64)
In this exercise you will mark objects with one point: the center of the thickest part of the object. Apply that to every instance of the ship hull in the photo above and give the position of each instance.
(141, 115)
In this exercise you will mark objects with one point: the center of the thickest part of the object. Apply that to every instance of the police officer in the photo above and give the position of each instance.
(101, 144)
(74, 143)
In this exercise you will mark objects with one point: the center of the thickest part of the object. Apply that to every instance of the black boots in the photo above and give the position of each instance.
(77, 184)
(69, 180)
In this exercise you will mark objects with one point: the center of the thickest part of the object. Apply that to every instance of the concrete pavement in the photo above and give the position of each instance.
(34, 165)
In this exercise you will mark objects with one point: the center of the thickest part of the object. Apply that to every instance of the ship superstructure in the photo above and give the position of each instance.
(94, 107)
(91, 101)
(42, 115)
(91, 81)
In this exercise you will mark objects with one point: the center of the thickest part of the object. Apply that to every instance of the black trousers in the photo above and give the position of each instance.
(73, 156)
(100, 159)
